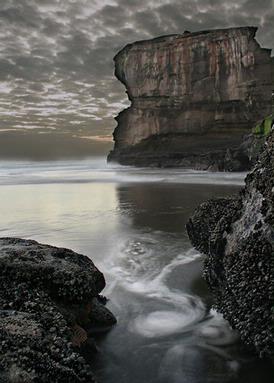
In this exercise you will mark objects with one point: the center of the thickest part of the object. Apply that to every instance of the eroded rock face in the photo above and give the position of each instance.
(49, 302)
(237, 236)
(193, 97)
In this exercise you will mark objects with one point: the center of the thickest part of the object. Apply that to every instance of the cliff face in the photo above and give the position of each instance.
(237, 236)
(192, 96)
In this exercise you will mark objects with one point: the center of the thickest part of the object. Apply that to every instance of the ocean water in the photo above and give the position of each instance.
(131, 223)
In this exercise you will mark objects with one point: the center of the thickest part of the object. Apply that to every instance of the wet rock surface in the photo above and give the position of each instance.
(49, 302)
(193, 98)
(237, 236)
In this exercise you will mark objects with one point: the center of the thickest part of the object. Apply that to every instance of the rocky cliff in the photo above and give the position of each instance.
(49, 308)
(193, 97)
(237, 236)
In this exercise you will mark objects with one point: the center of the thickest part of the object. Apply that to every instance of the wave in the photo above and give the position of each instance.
(96, 169)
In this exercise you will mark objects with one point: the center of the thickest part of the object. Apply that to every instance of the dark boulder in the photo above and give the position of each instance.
(237, 237)
(49, 299)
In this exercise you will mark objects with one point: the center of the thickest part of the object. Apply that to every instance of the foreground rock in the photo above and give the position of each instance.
(193, 98)
(49, 304)
(237, 236)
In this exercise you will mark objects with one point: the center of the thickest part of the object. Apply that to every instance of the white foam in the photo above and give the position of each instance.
(136, 270)
(185, 312)
(96, 169)
(162, 323)
(216, 331)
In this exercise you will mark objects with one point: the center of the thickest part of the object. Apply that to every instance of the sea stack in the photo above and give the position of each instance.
(194, 96)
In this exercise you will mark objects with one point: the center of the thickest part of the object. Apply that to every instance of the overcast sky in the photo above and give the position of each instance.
(56, 68)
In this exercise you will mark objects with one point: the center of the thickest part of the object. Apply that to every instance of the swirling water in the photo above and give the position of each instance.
(131, 222)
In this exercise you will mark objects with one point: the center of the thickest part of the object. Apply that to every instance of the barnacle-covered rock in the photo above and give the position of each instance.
(62, 272)
(237, 236)
(48, 303)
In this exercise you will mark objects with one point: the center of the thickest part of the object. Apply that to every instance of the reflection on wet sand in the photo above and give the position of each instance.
(166, 206)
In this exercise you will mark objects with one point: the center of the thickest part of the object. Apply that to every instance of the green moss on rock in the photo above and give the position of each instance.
(263, 128)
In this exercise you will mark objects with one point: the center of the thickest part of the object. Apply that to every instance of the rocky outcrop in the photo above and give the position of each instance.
(237, 236)
(193, 97)
(49, 308)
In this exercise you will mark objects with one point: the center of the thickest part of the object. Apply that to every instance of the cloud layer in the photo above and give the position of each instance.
(56, 68)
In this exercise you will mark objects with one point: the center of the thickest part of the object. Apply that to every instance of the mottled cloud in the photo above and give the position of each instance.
(56, 68)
